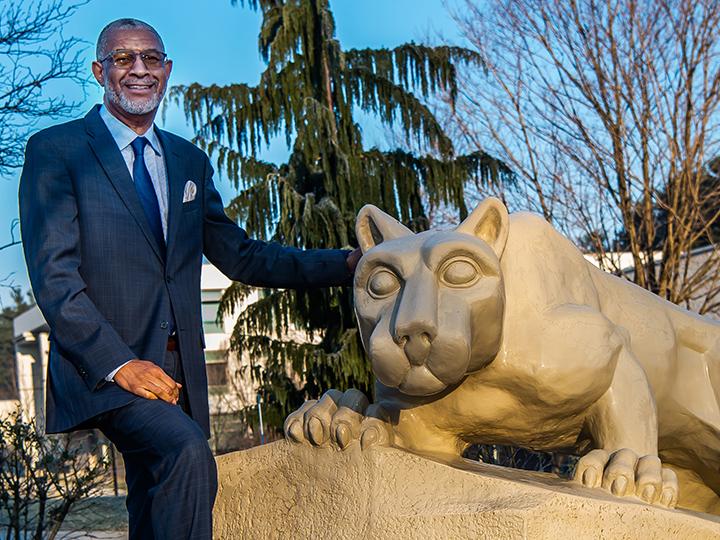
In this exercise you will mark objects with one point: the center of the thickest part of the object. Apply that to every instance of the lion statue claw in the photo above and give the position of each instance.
(339, 419)
(500, 332)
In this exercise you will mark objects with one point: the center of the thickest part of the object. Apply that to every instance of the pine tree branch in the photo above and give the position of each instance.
(394, 104)
(271, 354)
(418, 67)
(233, 297)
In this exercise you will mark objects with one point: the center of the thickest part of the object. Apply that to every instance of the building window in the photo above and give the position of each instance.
(216, 366)
(210, 304)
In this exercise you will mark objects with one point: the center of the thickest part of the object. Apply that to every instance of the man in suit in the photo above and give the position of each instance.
(116, 215)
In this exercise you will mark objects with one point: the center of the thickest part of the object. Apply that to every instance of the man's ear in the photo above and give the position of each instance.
(98, 72)
(489, 222)
(373, 226)
(168, 68)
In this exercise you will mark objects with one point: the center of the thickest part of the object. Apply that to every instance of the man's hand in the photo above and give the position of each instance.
(147, 380)
(353, 258)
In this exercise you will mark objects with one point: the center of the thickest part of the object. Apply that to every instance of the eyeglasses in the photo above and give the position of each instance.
(125, 58)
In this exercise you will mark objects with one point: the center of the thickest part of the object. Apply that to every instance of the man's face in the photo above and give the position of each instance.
(136, 89)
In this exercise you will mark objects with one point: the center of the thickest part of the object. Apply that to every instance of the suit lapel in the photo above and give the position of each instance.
(105, 149)
(176, 186)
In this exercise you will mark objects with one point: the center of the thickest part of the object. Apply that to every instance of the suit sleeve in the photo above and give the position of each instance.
(264, 264)
(51, 242)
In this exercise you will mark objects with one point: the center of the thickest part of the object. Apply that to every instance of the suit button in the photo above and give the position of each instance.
(168, 279)
(164, 325)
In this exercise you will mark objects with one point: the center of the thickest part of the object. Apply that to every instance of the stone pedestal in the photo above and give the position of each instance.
(284, 491)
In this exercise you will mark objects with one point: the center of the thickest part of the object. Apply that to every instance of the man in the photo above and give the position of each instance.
(116, 215)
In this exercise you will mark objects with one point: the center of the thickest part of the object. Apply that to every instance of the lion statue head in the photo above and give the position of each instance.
(430, 305)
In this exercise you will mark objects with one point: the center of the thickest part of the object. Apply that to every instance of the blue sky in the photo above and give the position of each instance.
(214, 42)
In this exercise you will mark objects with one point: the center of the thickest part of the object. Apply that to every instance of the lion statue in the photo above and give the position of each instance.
(500, 332)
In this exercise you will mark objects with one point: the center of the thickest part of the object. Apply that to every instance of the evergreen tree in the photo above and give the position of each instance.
(310, 92)
(8, 376)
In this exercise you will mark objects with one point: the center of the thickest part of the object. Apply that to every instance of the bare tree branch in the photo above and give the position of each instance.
(34, 54)
(609, 113)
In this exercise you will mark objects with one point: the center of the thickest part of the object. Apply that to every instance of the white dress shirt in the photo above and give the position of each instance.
(154, 160)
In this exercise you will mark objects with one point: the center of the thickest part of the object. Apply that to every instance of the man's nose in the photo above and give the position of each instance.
(138, 67)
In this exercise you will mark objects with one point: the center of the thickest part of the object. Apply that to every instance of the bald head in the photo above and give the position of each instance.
(133, 69)
(103, 49)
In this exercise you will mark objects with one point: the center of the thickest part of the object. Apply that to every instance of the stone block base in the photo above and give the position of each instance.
(285, 491)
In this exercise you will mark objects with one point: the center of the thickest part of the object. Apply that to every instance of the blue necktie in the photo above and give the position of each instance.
(146, 191)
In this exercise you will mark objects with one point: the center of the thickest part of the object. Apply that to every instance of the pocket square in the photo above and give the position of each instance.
(189, 192)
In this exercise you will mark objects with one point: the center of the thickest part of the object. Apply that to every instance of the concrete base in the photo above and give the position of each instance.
(284, 491)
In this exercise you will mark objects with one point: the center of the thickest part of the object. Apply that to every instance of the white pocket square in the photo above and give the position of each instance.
(189, 191)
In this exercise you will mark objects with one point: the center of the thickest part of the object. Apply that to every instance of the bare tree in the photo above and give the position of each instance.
(33, 55)
(42, 478)
(607, 110)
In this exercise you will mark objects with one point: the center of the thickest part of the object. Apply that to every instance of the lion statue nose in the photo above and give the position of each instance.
(417, 347)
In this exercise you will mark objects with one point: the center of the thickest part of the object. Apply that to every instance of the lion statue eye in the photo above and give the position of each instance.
(383, 283)
(459, 272)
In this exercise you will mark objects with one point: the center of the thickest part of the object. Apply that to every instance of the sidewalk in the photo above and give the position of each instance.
(94, 535)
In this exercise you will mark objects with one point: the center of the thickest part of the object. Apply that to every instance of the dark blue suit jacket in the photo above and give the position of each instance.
(101, 280)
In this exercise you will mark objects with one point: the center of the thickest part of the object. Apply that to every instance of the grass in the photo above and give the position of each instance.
(98, 514)
(93, 514)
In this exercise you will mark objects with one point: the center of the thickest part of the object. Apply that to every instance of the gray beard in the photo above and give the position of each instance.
(129, 106)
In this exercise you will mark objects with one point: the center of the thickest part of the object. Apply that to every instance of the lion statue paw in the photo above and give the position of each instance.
(624, 474)
(339, 419)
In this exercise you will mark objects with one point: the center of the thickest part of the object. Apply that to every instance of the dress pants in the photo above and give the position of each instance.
(169, 468)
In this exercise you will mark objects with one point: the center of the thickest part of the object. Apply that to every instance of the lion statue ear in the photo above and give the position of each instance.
(373, 226)
(489, 222)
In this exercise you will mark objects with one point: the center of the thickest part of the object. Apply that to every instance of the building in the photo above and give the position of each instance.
(230, 387)
(30, 332)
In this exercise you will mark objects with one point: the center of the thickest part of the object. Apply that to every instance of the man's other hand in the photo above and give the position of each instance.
(147, 380)
(353, 258)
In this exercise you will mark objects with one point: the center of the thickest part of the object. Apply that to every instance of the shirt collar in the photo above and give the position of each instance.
(123, 135)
